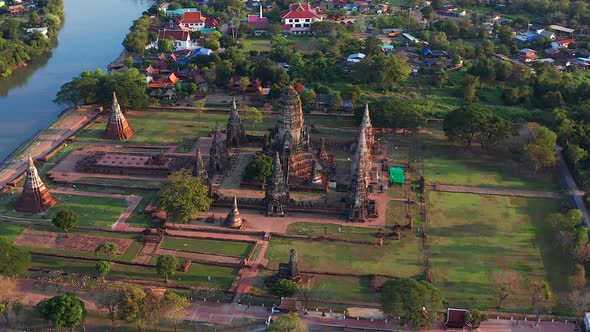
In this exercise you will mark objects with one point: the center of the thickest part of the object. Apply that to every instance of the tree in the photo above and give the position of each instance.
(373, 45)
(260, 168)
(167, 266)
(463, 124)
(541, 153)
(539, 293)
(66, 219)
(165, 45)
(107, 250)
(131, 305)
(578, 279)
(17, 307)
(440, 78)
(284, 287)
(415, 302)
(10, 28)
(308, 98)
(474, 318)
(505, 283)
(244, 83)
(211, 44)
(175, 306)
(183, 196)
(8, 293)
(14, 261)
(253, 115)
(103, 268)
(288, 323)
(65, 310)
(108, 299)
(470, 89)
(352, 92)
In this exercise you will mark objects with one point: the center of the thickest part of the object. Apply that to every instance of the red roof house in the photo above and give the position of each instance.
(564, 43)
(164, 82)
(299, 18)
(180, 38)
(193, 21)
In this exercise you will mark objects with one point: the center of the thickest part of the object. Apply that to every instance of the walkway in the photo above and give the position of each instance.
(577, 194)
(64, 127)
(120, 224)
(497, 191)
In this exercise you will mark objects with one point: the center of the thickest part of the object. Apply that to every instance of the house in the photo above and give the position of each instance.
(356, 57)
(44, 31)
(547, 34)
(201, 51)
(180, 38)
(151, 71)
(456, 318)
(563, 43)
(289, 304)
(258, 22)
(16, 9)
(323, 100)
(174, 13)
(527, 54)
(299, 17)
(164, 82)
(192, 21)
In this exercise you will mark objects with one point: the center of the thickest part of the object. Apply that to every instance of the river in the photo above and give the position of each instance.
(89, 39)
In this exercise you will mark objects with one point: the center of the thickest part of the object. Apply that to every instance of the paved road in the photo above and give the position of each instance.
(572, 187)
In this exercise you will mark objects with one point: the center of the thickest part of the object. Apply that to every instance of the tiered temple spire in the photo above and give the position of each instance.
(236, 135)
(117, 126)
(35, 197)
(358, 195)
(218, 155)
(233, 218)
(368, 128)
(322, 153)
(199, 170)
(277, 192)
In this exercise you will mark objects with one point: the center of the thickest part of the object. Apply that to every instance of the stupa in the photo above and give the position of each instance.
(233, 218)
(35, 197)
(235, 133)
(218, 155)
(117, 126)
(277, 192)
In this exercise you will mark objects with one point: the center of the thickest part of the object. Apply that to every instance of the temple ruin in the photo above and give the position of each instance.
(35, 197)
(218, 155)
(233, 218)
(277, 192)
(117, 126)
(235, 133)
(199, 170)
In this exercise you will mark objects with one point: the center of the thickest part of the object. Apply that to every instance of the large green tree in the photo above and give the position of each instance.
(106, 250)
(288, 323)
(260, 168)
(469, 124)
(541, 152)
(183, 196)
(175, 307)
(103, 268)
(131, 305)
(167, 266)
(391, 112)
(415, 302)
(66, 219)
(65, 310)
(14, 261)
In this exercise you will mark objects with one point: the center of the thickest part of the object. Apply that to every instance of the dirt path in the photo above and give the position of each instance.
(497, 191)
(201, 257)
(65, 126)
(120, 224)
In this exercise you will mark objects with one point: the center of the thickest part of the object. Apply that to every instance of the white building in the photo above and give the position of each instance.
(299, 17)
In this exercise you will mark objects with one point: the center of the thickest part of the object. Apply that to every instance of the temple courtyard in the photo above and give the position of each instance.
(329, 197)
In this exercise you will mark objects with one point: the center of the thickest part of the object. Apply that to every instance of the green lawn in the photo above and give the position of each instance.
(257, 44)
(10, 232)
(100, 212)
(159, 127)
(208, 246)
(396, 258)
(446, 164)
(397, 213)
(345, 288)
(473, 235)
(345, 233)
(221, 277)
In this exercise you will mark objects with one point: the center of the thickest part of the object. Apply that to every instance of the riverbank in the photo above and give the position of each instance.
(45, 141)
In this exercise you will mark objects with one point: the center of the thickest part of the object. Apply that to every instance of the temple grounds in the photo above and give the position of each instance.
(474, 235)
(208, 246)
(74, 242)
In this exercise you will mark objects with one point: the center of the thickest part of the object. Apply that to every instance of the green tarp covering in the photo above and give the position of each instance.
(396, 175)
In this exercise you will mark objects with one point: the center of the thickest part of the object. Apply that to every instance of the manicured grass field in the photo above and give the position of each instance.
(10, 232)
(446, 164)
(208, 246)
(345, 288)
(473, 235)
(331, 230)
(221, 277)
(160, 127)
(396, 258)
(397, 213)
(100, 212)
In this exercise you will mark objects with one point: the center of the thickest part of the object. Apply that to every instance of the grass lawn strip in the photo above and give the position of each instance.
(473, 235)
(397, 213)
(333, 231)
(345, 288)
(197, 276)
(11, 232)
(402, 258)
(231, 248)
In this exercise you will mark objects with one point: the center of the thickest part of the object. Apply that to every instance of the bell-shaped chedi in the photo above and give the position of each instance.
(233, 218)
(236, 135)
(117, 126)
(315, 177)
(35, 197)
